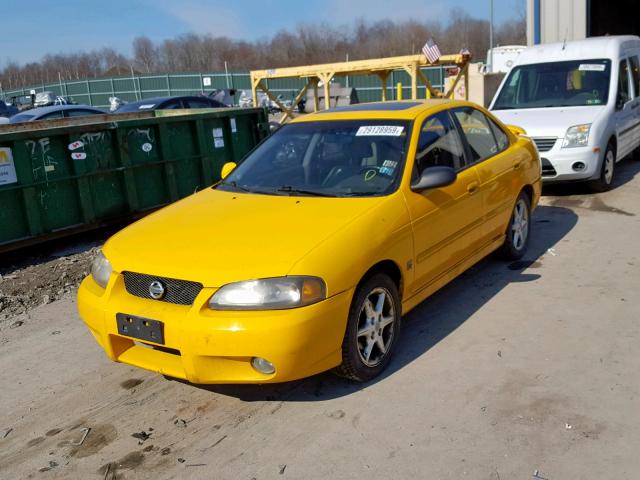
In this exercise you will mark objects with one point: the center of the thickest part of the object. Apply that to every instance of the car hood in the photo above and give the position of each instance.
(216, 237)
(549, 122)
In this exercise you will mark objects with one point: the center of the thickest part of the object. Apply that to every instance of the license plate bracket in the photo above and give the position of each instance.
(140, 328)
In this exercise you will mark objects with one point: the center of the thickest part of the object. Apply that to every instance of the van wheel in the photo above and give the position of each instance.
(372, 331)
(517, 236)
(605, 181)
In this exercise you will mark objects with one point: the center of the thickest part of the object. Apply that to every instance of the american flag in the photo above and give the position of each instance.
(431, 51)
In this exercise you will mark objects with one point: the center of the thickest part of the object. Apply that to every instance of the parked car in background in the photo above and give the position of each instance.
(579, 101)
(55, 112)
(4, 120)
(7, 110)
(306, 255)
(170, 103)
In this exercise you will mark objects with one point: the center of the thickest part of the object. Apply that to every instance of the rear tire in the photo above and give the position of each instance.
(372, 331)
(517, 233)
(605, 181)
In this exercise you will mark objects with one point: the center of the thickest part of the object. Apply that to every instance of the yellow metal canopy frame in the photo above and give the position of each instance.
(382, 67)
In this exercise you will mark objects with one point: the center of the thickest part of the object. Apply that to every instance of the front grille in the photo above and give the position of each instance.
(547, 168)
(545, 144)
(181, 292)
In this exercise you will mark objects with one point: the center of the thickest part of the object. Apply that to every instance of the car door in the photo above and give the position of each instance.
(445, 221)
(624, 113)
(497, 167)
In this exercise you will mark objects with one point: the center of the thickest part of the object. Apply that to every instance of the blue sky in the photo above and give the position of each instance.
(33, 28)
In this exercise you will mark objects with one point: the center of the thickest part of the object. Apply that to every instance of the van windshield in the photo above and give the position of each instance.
(556, 84)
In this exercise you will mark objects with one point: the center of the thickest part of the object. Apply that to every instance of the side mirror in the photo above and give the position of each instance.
(434, 177)
(227, 168)
(619, 102)
(516, 130)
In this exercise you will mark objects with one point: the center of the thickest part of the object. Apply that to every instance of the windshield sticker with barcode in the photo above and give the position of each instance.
(591, 67)
(379, 131)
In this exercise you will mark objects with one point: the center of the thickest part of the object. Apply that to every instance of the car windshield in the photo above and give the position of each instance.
(556, 84)
(327, 158)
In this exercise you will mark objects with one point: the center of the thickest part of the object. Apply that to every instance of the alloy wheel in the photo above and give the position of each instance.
(376, 326)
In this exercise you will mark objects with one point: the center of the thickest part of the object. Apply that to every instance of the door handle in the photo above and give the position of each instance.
(472, 187)
(517, 164)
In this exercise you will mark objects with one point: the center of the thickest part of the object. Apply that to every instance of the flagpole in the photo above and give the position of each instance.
(491, 34)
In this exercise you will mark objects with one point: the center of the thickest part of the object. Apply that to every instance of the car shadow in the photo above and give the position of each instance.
(626, 170)
(432, 320)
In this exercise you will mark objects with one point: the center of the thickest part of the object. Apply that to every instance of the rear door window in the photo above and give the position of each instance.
(624, 94)
(197, 103)
(478, 132)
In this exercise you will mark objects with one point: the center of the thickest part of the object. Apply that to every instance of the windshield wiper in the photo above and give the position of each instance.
(236, 186)
(314, 193)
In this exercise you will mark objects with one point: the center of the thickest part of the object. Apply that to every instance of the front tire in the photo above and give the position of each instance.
(517, 235)
(605, 181)
(372, 329)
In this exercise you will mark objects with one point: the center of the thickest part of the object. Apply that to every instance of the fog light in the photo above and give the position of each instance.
(262, 365)
(578, 166)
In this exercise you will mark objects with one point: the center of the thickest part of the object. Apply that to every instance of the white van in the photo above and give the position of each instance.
(579, 101)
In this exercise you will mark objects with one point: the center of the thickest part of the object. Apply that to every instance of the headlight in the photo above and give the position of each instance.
(577, 136)
(101, 270)
(269, 294)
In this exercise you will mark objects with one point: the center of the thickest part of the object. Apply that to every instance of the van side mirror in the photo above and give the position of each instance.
(434, 177)
(619, 101)
(227, 168)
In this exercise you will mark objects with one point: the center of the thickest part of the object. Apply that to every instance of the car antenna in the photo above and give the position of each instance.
(564, 42)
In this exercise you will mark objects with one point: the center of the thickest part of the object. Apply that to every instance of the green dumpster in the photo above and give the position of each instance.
(64, 176)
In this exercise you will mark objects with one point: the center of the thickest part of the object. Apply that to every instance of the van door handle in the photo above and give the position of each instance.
(472, 187)
(517, 164)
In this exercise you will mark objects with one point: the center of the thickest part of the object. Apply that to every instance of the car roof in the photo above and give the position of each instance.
(57, 108)
(588, 48)
(398, 110)
(155, 100)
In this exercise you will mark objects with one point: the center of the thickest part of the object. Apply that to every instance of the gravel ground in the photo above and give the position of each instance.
(42, 280)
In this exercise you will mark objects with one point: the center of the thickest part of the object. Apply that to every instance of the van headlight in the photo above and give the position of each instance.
(101, 270)
(577, 136)
(269, 294)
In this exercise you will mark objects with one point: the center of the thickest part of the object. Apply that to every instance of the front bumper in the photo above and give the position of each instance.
(562, 161)
(206, 346)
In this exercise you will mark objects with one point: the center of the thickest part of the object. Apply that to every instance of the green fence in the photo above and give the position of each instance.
(96, 92)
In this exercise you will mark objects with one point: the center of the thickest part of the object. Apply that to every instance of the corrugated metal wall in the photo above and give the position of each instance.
(550, 21)
(97, 92)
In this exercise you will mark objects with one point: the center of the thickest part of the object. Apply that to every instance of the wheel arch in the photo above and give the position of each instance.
(389, 268)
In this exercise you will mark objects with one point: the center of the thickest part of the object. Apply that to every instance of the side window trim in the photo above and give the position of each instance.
(467, 156)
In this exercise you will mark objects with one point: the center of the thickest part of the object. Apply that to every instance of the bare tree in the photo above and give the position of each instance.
(305, 44)
(145, 54)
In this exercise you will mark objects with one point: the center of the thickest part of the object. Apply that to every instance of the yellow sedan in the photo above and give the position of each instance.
(306, 255)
